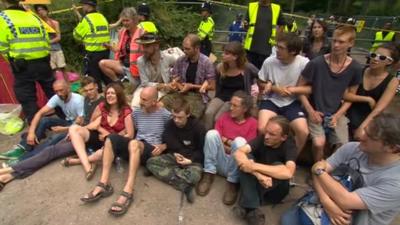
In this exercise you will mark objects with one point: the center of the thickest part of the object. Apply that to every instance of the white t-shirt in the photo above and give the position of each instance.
(72, 109)
(282, 75)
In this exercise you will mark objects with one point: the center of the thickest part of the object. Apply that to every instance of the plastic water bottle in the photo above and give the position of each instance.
(118, 165)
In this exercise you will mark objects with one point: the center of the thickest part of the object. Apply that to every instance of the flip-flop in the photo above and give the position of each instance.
(123, 207)
(107, 190)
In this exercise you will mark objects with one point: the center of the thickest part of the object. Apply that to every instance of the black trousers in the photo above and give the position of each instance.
(91, 67)
(206, 47)
(256, 59)
(253, 194)
(26, 73)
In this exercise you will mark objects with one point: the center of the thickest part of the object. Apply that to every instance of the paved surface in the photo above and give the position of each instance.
(51, 196)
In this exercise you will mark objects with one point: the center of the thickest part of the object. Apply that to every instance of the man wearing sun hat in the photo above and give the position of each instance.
(154, 66)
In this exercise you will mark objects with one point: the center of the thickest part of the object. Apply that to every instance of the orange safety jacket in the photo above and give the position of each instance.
(135, 49)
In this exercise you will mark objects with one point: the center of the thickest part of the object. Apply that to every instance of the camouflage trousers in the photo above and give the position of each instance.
(194, 99)
(165, 168)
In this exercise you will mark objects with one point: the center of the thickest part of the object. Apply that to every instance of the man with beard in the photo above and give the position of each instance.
(154, 66)
(72, 106)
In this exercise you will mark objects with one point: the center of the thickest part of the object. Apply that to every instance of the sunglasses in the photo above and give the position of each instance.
(380, 57)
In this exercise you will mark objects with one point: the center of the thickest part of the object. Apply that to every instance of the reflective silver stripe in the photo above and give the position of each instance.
(98, 35)
(93, 44)
(3, 43)
(133, 63)
(22, 40)
(27, 50)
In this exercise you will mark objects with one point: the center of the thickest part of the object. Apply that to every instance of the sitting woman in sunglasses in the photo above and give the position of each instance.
(376, 91)
(115, 118)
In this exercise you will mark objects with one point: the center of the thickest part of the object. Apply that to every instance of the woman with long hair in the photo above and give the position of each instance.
(376, 91)
(233, 73)
(317, 42)
(115, 118)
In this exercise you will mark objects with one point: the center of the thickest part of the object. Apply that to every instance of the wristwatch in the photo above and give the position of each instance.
(319, 171)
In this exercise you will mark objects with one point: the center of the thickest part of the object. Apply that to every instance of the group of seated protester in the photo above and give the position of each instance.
(184, 137)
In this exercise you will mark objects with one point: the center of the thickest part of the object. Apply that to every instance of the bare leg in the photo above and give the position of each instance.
(301, 132)
(135, 151)
(111, 68)
(318, 148)
(6, 170)
(95, 157)
(263, 117)
(79, 136)
(5, 178)
(108, 158)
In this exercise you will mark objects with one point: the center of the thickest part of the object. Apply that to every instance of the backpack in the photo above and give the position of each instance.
(311, 211)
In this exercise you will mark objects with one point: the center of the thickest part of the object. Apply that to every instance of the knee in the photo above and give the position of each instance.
(237, 143)
(212, 134)
(103, 63)
(319, 143)
(73, 129)
(134, 147)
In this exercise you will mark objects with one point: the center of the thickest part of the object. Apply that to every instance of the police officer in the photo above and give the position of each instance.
(25, 43)
(93, 31)
(383, 36)
(261, 22)
(206, 29)
(144, 19)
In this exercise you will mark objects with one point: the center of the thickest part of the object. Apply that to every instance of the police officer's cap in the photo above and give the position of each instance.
(89, 2)
(147, 38)
(143, 9)
(206, 6)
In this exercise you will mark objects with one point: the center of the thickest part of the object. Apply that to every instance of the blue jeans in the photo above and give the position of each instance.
(217, 161)
(291, 216)
(44, 124)
(52, 140)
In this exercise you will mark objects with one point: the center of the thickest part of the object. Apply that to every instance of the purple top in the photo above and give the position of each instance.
(205, 70)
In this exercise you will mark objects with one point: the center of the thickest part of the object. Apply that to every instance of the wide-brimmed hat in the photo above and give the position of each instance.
(89, 2)
(147, 38)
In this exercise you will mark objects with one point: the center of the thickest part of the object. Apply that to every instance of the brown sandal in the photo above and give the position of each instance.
(65, 162)
(123, 207)
(92, 171)
(107, 190)
(2, 185)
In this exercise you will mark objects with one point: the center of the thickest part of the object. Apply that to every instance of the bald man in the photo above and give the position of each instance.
(72, 106)
(150, 119)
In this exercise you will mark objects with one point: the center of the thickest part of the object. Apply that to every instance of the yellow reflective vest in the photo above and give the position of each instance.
(206, 29)
(22, 35)
(294, 28)
(148, 27)
(253, 10)
(93, 31)
(379, 39)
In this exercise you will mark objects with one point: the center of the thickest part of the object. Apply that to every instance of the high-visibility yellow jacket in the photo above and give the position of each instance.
(148, 27)
(294, 28)
(206, 29)
(379, 38)
(252, 12)
(93, 31)
(22, 35)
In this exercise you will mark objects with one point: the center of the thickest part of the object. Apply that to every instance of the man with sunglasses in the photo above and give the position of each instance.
(378, 200)
(330, 76)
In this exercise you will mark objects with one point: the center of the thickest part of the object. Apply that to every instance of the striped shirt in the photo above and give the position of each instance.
(150, 126)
